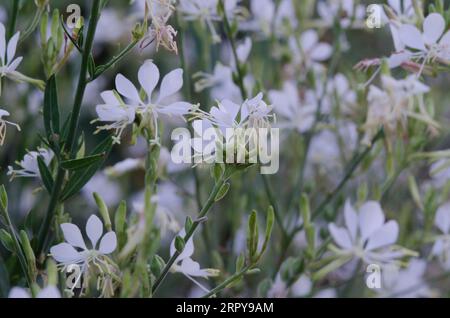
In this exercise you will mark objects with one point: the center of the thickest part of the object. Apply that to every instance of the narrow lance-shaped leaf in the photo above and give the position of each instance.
(51, 108)
(46, 175)
(82, 163)
(81, 177)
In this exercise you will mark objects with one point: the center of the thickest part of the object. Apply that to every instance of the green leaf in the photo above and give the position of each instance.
(222, 192)
(51, 108)
(252, 235)
(82, 163)
(81, 177)
(103, 209)
(269, 227)
(46, 175)
(6, 240)
(3, 198)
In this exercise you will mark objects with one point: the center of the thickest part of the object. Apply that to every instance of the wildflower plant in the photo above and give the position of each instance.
(262, 148)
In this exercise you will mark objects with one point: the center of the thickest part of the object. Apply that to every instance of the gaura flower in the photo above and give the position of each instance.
(349, 13)
(3, 122)
(122, 113)
(74, 250)
(206, 12)
(406, 282)
(308, 49)
(432, 44)
(296, 113)
(8, 64)
(185, 265)
(47, 292)
(394, 104)
(367, 236)
(29, 165)
(441, 247)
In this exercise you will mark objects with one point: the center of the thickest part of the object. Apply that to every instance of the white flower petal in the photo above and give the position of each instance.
(2, 43)
(49, 292)
(110, 98)
(322, 52)
(176, 109)
(433, 28)
(72, 235)
(351, 219)
(18, 292)
(384, 236)
(445, 39)
(412, 37)
(308, 40)
(371, 218)
(192, 268)
(94, 229)
(340, 236)
(108, 243)
(66, 254)
(148, 77)
(171, 84)
(14, 64)
(442, 218)
(127, 89)
(12, 46)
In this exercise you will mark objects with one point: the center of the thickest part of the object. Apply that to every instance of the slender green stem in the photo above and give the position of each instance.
(114, 60)
(13, 18)
(274, 204)
(82, 81)
(70, 143)
(204, 211)
(228, 31)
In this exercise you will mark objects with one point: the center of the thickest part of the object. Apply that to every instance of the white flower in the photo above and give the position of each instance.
(296, 113)
(185, 265)
(406, 282)
(206, 12)
(308, 49)
(3, 123)
(404, 11)
(8, 64)
(75, 251)
(122, 113)
(395, 104)
(253, 113)
(441, 247)
(47, 292)
(220, 82)
(268, 18)
(349, 13)
(432, 43)
(29, 164)
(366, 236)
(339, 89)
